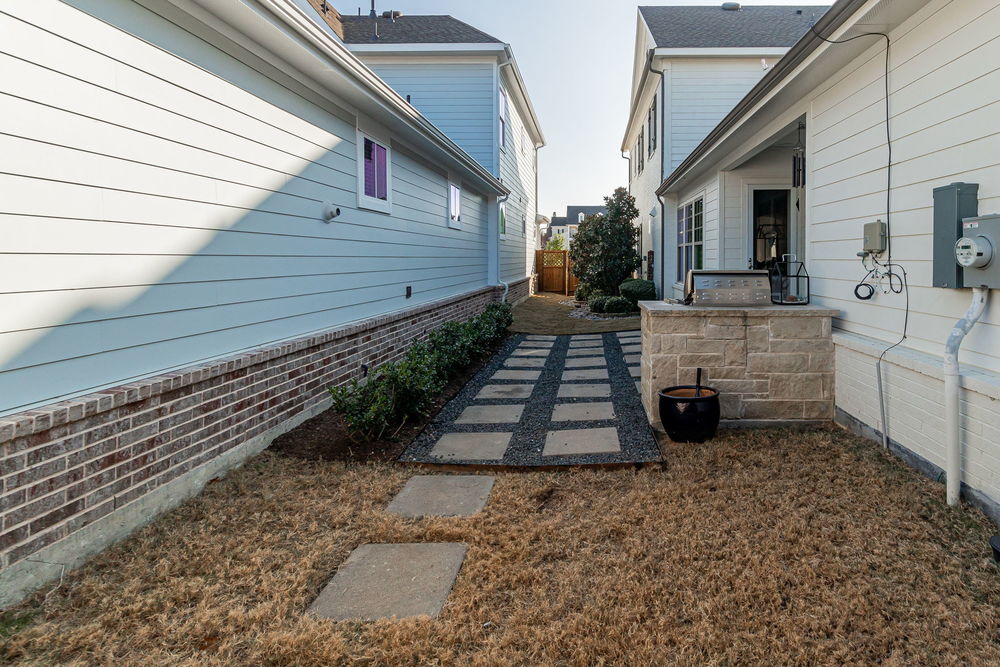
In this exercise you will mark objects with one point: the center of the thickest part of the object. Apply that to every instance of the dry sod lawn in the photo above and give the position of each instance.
(771, 547)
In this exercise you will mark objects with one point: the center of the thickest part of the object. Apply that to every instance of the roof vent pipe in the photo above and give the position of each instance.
(731, 6)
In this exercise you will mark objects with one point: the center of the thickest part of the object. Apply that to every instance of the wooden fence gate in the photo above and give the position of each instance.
(554, 271)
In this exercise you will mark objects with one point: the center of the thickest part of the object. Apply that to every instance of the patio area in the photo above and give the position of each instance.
(770, 546)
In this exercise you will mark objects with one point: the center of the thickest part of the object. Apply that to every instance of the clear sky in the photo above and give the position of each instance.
(576, 60)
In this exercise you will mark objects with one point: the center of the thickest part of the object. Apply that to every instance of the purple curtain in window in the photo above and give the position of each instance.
(369, 168)
(381, 172)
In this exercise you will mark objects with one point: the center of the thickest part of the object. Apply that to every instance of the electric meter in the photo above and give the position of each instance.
(974, 252)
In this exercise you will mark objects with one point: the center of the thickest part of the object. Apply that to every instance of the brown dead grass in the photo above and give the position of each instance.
(758, 547)
(543, 314)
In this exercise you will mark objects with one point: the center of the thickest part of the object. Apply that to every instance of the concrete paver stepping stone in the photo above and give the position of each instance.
(585, 374)
(584, 391)
(585, 343)
(588, 337)
(391, 580)
(585, 351)
(539, 337)
(530, 352)
(491, 391)
(633, 358)
(536, 343)
(525, 362)
(629, 334)
(506, 374)
(638, 386)
(572, 412)
(491, 414)
(581, 441)
(631, 349)
(472, 446)
(635, 371)
(442, 495)
(583, 362)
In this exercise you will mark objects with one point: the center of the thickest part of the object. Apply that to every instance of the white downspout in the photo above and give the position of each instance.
(953, 391)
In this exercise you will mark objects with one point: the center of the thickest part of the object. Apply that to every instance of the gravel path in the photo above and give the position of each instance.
(535, 439)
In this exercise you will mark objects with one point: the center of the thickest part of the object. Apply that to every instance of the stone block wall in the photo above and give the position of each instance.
(79, 474)
(771, 363)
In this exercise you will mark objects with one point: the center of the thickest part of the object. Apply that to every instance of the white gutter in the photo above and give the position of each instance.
(953, 394)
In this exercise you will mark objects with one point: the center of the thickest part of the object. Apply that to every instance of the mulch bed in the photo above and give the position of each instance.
(325, 437)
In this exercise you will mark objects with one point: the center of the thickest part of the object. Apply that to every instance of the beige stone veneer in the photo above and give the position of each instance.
(768, 363)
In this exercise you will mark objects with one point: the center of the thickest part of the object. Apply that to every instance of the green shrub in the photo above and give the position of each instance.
(406, 389)
(584, 292)
(638, 290)
(598, 304)
(617, 305)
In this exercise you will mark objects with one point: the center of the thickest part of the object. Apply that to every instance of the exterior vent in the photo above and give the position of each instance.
(731, 6)
(394, 14)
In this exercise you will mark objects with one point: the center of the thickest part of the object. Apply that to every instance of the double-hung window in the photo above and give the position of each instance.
(690, 233)
(652, 127)
(502, 128)
(454, 206)
(503, 220)
(639, 154)
(374, 174)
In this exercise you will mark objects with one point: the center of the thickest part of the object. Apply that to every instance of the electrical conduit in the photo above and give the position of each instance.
(953, 393)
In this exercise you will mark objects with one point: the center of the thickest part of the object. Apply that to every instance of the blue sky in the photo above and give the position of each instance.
(576, 59)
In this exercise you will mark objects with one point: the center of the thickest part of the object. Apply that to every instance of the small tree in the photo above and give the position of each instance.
(604, 246)
(556, 243)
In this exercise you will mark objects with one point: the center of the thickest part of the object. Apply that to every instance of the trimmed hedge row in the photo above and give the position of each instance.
(401, 390)
(637, 290)
(609, 304)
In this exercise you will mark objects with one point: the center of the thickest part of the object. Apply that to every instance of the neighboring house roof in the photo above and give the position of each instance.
(573, 212)
(413, 30)
(787, 68)
(714, 27)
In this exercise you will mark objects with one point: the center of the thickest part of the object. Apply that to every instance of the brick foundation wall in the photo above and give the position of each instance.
(767, 363)
(67, 465)
(522, 289)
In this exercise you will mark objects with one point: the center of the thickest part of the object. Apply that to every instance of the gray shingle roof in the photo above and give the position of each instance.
(712, 26)
(414, 30)
(573, 212)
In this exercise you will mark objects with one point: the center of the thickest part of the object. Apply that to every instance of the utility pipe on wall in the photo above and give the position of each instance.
(953, 394)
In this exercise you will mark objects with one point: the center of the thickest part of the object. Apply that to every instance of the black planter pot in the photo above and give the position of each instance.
(689, 413)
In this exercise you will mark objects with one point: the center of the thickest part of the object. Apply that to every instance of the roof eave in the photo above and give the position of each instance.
(838, 15)
(282, 25)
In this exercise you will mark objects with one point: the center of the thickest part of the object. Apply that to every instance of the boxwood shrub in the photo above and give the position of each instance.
(637, 290)
(401, 390)
(618, 305)
(597, 304)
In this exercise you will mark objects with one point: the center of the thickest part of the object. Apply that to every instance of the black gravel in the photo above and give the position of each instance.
(634, 433)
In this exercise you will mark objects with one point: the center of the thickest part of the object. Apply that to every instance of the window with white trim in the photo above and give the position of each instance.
(374, 174)
(503, 118)
(524, 224)
(652, 127)
(640, 144)
(690, 233)
(454, 206)
(503, 219)
(524, 142)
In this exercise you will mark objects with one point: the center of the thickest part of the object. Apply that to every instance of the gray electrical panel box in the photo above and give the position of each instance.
(875, 237)
(978, 251)
(952, 203)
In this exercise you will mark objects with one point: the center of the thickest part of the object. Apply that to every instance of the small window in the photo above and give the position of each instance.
(639, 149)
(524, 142)
(374, 174)
(503, 119)
(690, 238)
(579, 216)
(652, 127)
(524, 224)
(503, 219)
(454, 206)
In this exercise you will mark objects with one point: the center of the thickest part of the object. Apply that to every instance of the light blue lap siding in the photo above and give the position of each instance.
(458, 98)
(162, 206)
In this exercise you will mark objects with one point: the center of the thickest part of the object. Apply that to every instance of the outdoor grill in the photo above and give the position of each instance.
(728, 288)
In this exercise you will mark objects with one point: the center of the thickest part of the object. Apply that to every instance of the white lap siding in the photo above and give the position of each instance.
(517, 172)
(163, 199)
(945, 75)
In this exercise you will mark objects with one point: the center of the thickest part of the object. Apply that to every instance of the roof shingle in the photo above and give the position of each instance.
(413, 30)
(714, 27)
